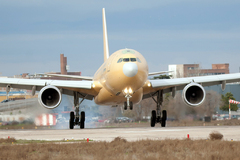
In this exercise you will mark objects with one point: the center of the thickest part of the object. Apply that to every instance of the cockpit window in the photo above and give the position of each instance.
(125, 59)
(128, 60)
(120, 60)
(139, 60)
(133, 59)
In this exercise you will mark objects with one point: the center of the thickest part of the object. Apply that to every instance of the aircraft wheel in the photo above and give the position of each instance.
(164, 118)
(164, 114)
(131, 106)
(71, 120)
(82, 120)
(71, 124)
(125, 105)
(72, 115)
(153, 118)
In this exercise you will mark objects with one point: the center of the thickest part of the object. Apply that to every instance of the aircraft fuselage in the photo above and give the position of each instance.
(124, 72)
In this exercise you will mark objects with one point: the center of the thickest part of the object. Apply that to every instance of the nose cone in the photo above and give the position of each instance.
(130, 69)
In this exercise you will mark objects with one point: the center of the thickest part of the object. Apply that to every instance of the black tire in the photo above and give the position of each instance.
(153, 118)
(81, 124)
(125, 105)
(70, 124)
(83, 116)
(164, 115)
(164, 118)
(71, 120)
(131, 106)
(163, 123)
(71, 115)
(82, 120)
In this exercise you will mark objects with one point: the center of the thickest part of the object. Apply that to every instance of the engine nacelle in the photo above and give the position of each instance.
(193, 94)
(50, 97)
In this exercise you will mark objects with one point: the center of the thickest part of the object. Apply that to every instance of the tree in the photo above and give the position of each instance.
(210, 104)
(129, 113)
(225, 102)
(178, 110)
(145, 107)
(166, 99)
(162, 77)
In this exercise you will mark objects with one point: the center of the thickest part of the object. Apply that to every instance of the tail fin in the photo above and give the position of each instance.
(105, 36)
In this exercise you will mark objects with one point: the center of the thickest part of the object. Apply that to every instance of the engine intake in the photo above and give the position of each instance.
(193, 94)
(50, 97)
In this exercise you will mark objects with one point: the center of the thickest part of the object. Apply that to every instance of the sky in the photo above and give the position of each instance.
(33, 33)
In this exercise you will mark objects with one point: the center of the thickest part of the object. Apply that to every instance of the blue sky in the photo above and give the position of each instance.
(33, 33)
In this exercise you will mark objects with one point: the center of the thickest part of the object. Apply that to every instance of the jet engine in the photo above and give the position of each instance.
(193, 94)
(49, 97)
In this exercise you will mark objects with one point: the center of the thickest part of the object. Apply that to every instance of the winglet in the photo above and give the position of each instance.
(105, 36)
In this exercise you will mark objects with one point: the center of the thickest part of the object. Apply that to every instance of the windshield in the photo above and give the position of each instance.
(128, 60)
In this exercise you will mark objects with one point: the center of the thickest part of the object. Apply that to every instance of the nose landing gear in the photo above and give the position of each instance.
(125, 106)
(128, 103)
(157, 116)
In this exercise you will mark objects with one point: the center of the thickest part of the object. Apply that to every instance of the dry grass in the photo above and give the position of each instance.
(121, 149)
(7, 140)
(215, 135)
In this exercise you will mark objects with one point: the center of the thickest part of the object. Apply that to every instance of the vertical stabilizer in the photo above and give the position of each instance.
(105, 36)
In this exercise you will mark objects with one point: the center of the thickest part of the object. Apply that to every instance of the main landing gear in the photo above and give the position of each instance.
(76, 119)
(157, 115)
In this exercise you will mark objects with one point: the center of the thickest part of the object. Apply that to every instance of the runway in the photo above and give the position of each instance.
(130, 134)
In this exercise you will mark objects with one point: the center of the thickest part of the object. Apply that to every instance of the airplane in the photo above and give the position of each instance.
(121, 80)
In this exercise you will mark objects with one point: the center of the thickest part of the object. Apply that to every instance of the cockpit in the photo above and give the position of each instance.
(128, 60)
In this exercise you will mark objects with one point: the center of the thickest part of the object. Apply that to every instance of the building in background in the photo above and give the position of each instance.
(64, 70)
(193, 70)
(19, 94)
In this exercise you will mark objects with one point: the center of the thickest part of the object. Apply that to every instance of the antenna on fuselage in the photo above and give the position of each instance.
(105, 36)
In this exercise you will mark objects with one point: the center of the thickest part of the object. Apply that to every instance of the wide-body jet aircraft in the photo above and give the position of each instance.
(121, 80)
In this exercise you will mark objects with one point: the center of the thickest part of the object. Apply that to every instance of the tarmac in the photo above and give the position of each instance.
(130, 134)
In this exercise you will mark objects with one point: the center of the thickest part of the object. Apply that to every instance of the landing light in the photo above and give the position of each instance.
(149, 84)
(130, 90)
(126, 90)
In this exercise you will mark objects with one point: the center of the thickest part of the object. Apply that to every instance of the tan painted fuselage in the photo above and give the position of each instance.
(110, 80)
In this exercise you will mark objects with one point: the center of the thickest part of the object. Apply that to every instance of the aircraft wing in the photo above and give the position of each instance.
(68, 87)
(156, 73)
(69, 76)
(169, 85)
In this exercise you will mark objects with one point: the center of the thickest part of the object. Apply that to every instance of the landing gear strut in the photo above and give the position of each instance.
(128, 103)
(74, 119)
(157, 115)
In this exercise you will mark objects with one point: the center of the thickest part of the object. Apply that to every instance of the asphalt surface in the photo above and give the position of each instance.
(130, 134)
